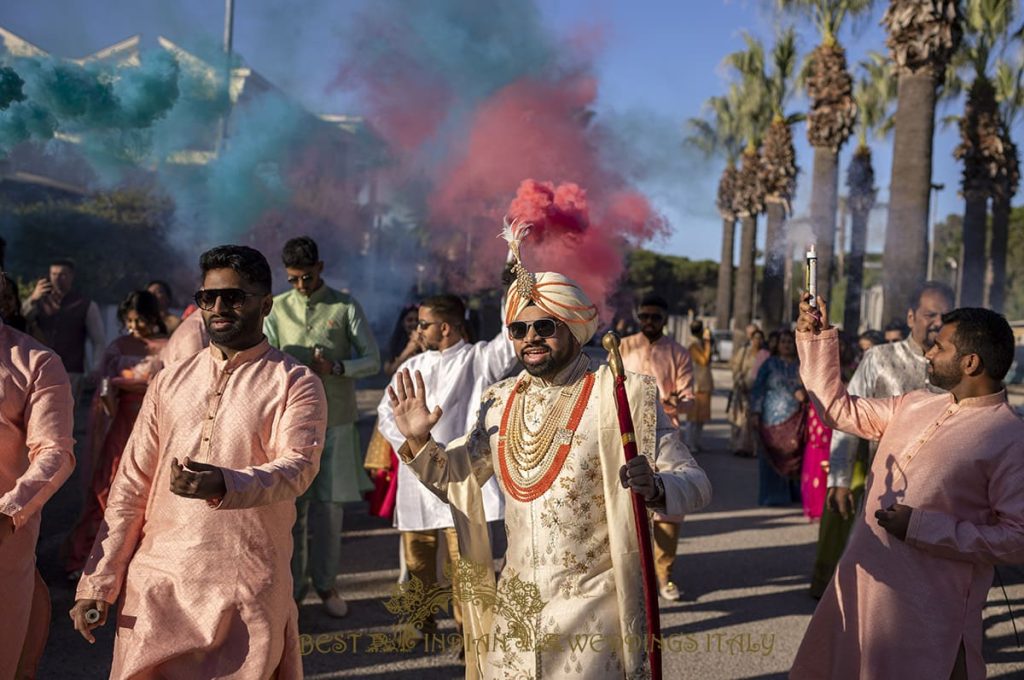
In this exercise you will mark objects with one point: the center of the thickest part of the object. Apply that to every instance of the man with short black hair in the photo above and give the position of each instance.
(886, 370)
(326, 330)
(651, 352)
(66, 319)
(455, 373)
(895, 331)
(197, 536)
(944, 503)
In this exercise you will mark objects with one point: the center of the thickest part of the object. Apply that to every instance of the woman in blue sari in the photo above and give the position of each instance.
(776, 411)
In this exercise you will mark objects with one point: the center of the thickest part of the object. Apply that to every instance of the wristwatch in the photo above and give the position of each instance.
(338, 368)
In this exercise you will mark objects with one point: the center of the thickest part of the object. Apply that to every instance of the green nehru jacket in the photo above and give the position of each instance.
(334, 321)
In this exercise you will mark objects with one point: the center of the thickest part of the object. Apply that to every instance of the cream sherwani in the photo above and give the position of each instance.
(899, 609)
(207, 591)
(35, 459)
(575, 542)
(454, 379)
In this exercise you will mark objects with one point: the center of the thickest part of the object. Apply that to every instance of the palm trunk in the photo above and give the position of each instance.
(824, 202)
(906, 233)
(855, 271)
(723, 300)
(975, 218)
(743, 296)
(774, 266)
(997, 251)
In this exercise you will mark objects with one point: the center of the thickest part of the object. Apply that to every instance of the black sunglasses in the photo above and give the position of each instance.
(544, 328)
(305, 278)
(650, 317)
(232, 297)
(424, 325)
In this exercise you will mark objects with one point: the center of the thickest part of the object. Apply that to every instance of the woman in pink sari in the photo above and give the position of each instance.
(813, 475)
(129, 364)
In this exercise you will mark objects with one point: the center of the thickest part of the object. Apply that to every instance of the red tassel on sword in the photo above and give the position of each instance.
(643, 532)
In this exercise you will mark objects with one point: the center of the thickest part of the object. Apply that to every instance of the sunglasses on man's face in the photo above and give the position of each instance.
(305, 278)
(233, 298)
(424, 325)
(650, 317)
(544, 328)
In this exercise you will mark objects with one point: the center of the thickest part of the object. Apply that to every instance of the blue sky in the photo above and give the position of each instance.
(660, 59)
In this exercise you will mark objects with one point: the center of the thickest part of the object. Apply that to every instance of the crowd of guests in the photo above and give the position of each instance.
(772, 419)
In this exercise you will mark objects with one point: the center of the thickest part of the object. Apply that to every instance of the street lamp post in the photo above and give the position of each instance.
(935, 189)
(954, 278)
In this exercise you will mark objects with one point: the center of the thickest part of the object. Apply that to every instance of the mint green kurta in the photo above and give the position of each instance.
(335, 321)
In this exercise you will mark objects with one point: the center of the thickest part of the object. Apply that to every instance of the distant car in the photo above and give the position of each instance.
(721, 345)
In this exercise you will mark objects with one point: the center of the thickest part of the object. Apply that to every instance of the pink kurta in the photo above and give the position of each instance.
(189, 338)
(208, 591)
(669, 364)
(36, 457)
(898, 609)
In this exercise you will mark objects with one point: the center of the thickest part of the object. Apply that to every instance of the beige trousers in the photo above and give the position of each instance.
(421, 559)
(666, 541)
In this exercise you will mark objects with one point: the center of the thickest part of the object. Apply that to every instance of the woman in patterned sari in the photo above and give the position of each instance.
(129, 364)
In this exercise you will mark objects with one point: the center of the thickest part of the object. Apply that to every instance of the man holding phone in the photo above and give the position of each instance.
(66, 319)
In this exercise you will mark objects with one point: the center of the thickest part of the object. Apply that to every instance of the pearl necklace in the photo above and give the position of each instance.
(530, 460)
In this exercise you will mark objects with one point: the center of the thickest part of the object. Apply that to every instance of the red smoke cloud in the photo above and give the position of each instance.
(540, 129)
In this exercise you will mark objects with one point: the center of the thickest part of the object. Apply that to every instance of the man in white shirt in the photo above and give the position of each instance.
(455, 374)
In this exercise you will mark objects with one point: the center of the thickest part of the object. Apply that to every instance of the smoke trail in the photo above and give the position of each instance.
(498, 100)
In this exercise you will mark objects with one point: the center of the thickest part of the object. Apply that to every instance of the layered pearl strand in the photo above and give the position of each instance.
(531, 458)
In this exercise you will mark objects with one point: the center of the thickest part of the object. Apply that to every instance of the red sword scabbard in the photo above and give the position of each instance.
(641, 523)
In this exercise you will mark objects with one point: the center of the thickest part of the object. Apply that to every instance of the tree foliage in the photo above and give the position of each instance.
(686, 284)
(117, 241)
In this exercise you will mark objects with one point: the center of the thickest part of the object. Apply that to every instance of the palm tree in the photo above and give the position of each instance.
(721, 136)
(981, 143)
(874, 92)
(923, 36)
(830, 121)
(1010, 95)
(750, 190)
(779, 172)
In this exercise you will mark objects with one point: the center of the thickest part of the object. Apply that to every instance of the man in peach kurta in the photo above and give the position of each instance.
(196, 540)
(651, 352)
(35, 459)
(944, 502)
(190, 338)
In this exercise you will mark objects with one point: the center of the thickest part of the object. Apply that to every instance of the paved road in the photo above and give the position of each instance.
(744, 571)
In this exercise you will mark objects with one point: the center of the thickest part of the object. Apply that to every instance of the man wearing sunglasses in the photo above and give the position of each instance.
(328, 331)
(197, 536)
(551, 436)
(455, 373)
(35, 459)
(651, 352)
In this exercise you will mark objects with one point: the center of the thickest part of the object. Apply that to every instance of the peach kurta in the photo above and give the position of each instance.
(36, 457)
(897, 608)
(207, 592)
(669, 364)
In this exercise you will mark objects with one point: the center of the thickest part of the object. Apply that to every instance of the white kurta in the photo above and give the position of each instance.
(455, 379)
